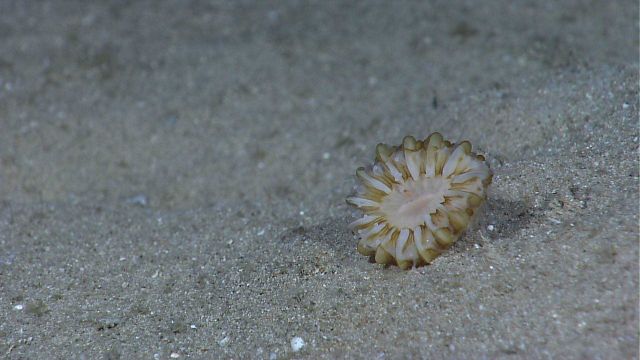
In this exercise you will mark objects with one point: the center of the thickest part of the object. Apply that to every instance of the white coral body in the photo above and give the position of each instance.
(417, 199)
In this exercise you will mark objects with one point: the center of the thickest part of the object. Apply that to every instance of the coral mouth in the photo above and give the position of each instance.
(410, 203)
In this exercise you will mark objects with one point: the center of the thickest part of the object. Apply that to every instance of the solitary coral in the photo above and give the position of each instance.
(417, 199)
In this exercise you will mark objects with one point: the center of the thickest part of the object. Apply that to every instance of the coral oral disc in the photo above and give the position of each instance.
(407, 203)
(417, 199)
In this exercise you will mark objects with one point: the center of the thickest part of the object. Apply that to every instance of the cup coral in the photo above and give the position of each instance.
(417, 199)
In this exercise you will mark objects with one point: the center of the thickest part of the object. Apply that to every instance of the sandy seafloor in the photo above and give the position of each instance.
(173, 175)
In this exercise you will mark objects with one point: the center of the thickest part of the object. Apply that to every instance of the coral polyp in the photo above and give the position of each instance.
(417, 199)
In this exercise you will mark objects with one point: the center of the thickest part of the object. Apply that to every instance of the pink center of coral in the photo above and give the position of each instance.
(411, 202)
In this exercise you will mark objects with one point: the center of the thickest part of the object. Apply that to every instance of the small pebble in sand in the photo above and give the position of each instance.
(18, 307)
(224, 341)
(140, 200)
(297, 344)
(491, 227)
(174, 355)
